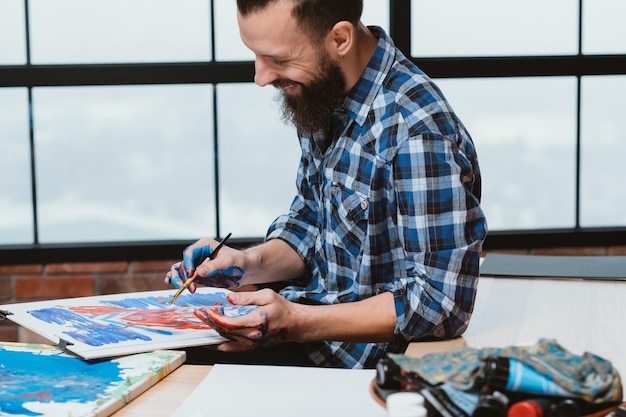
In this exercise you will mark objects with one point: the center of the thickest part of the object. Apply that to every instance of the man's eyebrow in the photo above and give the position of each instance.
(275, 57)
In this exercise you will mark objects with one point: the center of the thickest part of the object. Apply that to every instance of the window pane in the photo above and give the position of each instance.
(12, 39)
(16, 222)
(229, 46)
(603, 193)
(604, 31)
(99, 31)
(376, 13)
(124, 163)
(259, 156)
(525, 133)
(493, 27)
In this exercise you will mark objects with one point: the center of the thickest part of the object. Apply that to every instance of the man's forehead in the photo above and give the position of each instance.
(272, 31)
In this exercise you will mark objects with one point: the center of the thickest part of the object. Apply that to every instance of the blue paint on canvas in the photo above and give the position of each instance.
(130, 319)
(33, 377)
(91, 332)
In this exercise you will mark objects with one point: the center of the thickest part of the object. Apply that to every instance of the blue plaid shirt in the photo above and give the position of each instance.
(391, 205)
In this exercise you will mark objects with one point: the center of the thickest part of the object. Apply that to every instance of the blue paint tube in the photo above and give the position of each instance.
(511, 375)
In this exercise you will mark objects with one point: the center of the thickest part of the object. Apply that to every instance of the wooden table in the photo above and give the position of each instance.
(581, 315)
(166, 396)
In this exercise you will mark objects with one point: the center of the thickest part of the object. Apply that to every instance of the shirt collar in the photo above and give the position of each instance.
(360, 98)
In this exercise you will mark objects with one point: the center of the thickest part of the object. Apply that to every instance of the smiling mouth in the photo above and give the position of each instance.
(290, 89)
(286, 86)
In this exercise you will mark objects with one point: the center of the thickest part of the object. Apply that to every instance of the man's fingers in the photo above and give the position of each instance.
(243, 338)
(256, 319)
(259, 298)
(250, 334)
(234, 347)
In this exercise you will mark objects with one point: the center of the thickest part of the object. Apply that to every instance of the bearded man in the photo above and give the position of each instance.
(381, 245)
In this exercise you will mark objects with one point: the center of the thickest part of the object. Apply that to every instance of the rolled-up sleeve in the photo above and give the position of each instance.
(442, 228)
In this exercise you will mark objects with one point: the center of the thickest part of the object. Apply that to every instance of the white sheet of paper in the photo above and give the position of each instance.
(277, 391)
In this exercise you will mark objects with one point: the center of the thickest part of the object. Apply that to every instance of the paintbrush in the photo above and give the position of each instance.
(193, 276)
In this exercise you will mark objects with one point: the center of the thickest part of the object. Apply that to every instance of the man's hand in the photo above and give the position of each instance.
(225, 271)
(273, 322)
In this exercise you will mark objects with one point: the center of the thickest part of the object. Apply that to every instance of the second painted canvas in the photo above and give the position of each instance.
(42, 381)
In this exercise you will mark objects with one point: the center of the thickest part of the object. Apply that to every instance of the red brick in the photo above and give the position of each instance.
(507, 251)
(6, 289)
(151, 266)
(617, 250)
(89, 267)
(116, 284)
(20, 269)
(51, 287)
(582, 251)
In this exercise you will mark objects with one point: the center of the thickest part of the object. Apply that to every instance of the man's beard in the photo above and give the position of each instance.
(312, 110)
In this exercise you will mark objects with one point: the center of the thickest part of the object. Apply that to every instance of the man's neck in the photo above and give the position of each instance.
(354, 65)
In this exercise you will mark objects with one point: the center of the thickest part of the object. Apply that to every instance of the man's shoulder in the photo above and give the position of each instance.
(407, 82)
(412, 95)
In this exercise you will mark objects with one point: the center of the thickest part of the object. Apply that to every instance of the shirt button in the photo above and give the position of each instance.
(363, 204)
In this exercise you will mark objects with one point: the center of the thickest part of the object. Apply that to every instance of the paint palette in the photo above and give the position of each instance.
(42, 380)
(121, 324)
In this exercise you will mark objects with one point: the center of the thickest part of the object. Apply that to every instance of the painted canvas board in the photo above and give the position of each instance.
(43, 381)
(121, 324)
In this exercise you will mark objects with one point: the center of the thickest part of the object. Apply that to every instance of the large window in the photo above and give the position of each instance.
(548, 145)
(101, 31)
(12, 27)
(525, 133)
(16, 222)
(139, 121)
(119, 163)
(494, 28)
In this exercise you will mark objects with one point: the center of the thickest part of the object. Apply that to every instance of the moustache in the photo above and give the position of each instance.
(282, 83)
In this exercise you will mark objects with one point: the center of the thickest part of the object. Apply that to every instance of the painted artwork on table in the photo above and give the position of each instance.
(121, 324)
(43, 381)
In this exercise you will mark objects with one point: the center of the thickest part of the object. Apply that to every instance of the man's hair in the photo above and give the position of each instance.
(316, 17)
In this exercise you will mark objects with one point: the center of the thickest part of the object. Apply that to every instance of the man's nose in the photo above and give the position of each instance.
(263, 73)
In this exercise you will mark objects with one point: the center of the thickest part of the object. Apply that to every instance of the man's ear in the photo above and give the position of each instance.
(340, 39)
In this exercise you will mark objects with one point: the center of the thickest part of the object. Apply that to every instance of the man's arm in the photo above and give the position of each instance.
(278, 320)
(272, 261)
(368, 321)
(442, 230)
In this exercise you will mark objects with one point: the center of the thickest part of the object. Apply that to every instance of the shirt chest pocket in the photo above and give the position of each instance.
(347, 221)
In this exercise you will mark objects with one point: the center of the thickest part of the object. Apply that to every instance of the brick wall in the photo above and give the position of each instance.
(569, 251)
(22, 283)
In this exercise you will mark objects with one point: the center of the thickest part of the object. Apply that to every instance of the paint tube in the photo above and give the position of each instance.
(446, 401)
(535, 407)
(511, 375)
(491, 404)
(544, 407)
